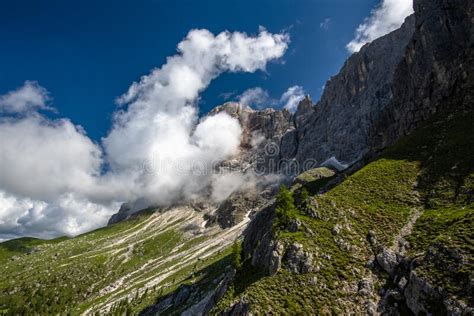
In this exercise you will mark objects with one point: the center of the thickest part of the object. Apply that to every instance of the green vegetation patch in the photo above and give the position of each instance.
(430, 170)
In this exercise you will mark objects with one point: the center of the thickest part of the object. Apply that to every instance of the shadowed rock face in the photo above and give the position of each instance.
(352, 100)
(436, 71)
(381, 93)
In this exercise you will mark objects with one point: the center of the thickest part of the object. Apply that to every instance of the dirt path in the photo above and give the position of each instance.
(399, 241)
(397, 247)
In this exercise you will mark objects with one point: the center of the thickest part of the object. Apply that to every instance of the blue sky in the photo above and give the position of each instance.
(66, 166)
(87, 53)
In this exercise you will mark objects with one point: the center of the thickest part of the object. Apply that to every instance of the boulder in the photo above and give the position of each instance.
(297, 260)
(388, 260)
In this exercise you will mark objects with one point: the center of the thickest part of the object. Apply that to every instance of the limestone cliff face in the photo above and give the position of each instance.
(381, 93)
(436, 72)
(340, 123)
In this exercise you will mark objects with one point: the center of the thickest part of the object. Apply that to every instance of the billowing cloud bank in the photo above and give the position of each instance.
(387, 17)
(52, 179)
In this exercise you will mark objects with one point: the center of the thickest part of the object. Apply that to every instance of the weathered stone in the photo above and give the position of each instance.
(372, 238)
(289, 145)
(388, 260)
(241, 308)
(294, 226)
(402, 283)
(183, 294)
(370, 308)
(297, 260)
(394, 294)
(303, 112)
(365, 287)
(275, 259)
(336, 229)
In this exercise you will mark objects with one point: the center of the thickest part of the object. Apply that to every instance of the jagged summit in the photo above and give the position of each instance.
(234, 109)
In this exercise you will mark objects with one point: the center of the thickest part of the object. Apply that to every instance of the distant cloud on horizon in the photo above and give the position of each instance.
(256, 98)
(259, 98)
(386, 17)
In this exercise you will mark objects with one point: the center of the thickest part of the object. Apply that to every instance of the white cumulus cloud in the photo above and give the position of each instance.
(161, 123)
(292, 97)
(54, 180)
(386, 17)
(30, 96)
(42, 159)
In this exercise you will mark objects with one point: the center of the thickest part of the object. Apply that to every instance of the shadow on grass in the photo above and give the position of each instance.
(445, 148)
(191, 290)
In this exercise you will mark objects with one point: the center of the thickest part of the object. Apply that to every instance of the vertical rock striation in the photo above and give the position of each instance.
(352, 101)
(436, 72)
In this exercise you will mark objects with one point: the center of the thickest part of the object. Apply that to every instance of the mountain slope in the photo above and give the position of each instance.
(352, 241)
(391, 234)
(126, 266)
(396, 235)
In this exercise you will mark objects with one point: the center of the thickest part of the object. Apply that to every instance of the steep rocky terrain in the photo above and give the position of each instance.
(395, 236)
(352, 101)
(435, 73)
(118, 269)
(378, 217)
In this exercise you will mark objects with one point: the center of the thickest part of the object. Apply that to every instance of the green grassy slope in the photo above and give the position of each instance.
(128, 266)
(120, 268)
(431, 171)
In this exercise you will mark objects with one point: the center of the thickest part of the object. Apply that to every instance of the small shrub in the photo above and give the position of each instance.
(237, 255)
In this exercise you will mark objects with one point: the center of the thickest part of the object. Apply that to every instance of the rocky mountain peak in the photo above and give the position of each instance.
(234, 109)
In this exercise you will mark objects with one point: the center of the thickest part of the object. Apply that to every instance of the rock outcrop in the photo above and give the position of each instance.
(411, 286)
(339, 124)
(436, 72)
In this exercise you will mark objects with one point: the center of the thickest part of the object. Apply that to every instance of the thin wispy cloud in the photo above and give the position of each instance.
(256, 98)
(227, 95)
(259, 98)
(325, 24)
